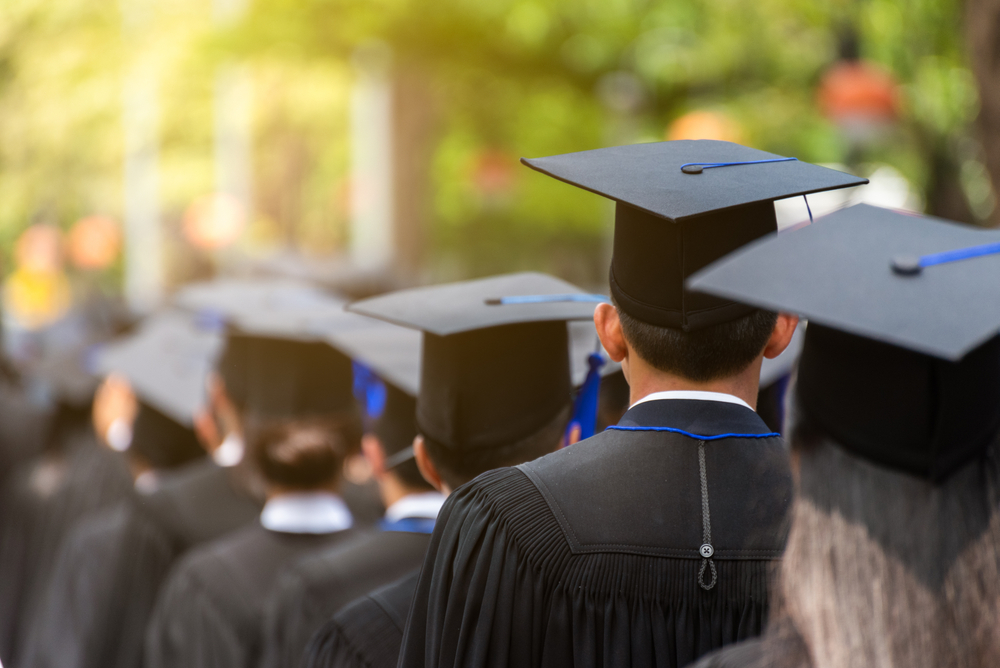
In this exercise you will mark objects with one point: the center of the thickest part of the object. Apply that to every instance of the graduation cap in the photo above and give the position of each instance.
(268, 307)
(286, 378)
(166, 361)
(290, 345)
(387, 373)
(161, 440)
(901, 359)
(495, 360)
(681, 205)
(397, 426)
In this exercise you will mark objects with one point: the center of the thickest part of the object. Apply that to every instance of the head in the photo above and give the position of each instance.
(159, 442)
(884, 568)
(299, 455)
(220, 418)
(713, 356)
(391, 434)
(262, 381)
(447, 468)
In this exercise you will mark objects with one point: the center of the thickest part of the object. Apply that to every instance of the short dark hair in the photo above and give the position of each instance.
(457, 467)
(409, 475)
(706, 354)
(301, 454)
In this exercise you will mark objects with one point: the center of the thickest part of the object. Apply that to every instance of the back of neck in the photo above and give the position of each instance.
(644, 380)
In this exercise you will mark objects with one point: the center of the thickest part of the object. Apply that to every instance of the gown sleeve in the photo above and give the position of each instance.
(476, 602)
(332, 647)
(366, 633)
(99, 598)
(288, 622)
(188, 630)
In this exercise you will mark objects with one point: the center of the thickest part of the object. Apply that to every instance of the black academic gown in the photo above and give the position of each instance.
(209, 613)
(368, 632)
(590, 556)
(310, 591)
(45, 498)
(780, 647)
(112, 565)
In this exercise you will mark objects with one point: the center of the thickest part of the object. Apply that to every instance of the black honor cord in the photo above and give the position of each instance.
(706, 550)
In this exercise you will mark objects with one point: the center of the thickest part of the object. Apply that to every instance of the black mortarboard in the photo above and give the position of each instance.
(278, 360)
(397, 425)
(166, 361)
(390, 351)
(161, 440)
(669, 223)
(495, 355)
(283, 378)
(267, 307)
(901, 362)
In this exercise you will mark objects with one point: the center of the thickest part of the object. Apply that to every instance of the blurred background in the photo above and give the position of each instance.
(148, 143)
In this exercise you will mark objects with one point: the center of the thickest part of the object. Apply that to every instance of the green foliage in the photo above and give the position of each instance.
(509, 77)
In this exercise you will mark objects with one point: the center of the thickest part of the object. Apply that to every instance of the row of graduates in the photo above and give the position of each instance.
(273, 539)
(658, 541)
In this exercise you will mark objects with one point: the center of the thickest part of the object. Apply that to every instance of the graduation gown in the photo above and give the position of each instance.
(23, 426)
(591, 556)
(112, 565)
(45, 498)
(368, 632)
(210, 611)
(780, 647)
(310, 591)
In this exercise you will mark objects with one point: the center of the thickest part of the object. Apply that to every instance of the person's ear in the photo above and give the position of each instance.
(221, 405)
(426, 466)
(374, 454)
(609, 331)
(207, 431)
(781, 336)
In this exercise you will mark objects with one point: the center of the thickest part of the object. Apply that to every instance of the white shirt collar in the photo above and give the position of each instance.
(306, 512)
(425, 505)
(696, 395)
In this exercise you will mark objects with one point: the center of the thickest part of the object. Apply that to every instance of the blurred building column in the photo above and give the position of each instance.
(143, 234)
(982, 33)
(414, 141)
(233, 117)
(373, 238)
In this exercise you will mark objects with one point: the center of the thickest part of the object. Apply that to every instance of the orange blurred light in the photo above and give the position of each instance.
(493, 172)
(214, 221)
(94, 242)
(39, 249)
(705, 125)
(858, 91)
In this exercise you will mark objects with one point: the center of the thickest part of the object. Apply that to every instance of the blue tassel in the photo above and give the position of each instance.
(370, 392)
(585, 405)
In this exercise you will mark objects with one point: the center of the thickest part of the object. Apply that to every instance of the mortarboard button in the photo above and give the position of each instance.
(841, 272)
(902, 372)
(906, 265)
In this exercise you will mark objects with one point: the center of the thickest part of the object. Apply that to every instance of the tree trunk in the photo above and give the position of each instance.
(983, 35)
